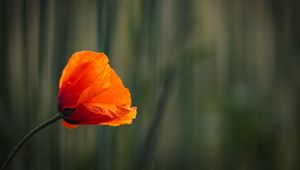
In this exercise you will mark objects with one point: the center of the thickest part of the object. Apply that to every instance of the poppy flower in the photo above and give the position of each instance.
(91, 93)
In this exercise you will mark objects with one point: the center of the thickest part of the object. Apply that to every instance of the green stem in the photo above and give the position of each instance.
(15, 150)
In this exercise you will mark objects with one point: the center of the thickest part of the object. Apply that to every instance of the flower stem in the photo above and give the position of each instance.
(15, 150)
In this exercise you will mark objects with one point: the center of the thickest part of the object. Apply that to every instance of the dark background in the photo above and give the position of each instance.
(216, 82)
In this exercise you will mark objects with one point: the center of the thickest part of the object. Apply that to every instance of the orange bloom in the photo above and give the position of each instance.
(91, 93)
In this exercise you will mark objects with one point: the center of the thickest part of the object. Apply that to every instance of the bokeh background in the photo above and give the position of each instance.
(216, 82)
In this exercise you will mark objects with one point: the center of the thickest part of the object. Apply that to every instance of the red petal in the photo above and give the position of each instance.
(68, 125)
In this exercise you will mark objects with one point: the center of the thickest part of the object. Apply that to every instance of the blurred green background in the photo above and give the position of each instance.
(216, 82)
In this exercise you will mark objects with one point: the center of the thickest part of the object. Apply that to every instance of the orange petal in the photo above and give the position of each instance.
(68, 125)
(115, 93)
(83, 70)
(127, 119)
(95, 113)
(113, 111)
(76, 60)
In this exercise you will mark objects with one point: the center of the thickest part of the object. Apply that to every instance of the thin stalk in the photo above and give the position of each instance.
(15, 150)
